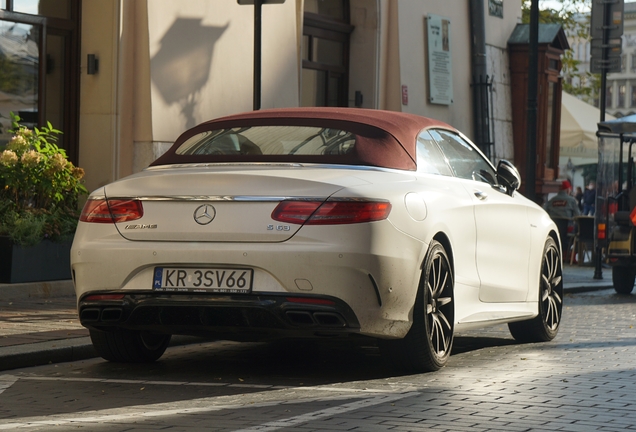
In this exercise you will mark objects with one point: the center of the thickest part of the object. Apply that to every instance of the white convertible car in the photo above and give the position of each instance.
(316, 222)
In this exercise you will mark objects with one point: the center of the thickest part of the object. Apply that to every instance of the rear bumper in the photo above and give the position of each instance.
(372, 268)
(253, 317)
(621, 261)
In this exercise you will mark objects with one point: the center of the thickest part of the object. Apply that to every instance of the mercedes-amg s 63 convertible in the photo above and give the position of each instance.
(316, 222)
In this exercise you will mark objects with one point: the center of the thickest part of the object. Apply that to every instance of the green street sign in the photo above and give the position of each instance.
(251, 2)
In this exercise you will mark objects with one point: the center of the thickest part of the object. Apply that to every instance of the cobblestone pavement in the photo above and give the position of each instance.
(585, 380)
(25, 322)
(31, 313)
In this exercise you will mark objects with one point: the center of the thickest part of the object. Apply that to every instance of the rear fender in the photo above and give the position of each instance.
(621, 242)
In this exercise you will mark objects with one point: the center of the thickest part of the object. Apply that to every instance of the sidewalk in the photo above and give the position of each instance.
(39, 323)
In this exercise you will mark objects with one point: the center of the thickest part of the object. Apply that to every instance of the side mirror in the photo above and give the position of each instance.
(508, 176)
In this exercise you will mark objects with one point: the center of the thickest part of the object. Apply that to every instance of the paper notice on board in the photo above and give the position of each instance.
(440, 78)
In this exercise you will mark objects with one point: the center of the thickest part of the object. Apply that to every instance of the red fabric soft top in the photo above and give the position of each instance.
(383, 138)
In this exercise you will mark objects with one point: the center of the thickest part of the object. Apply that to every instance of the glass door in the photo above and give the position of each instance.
(55, 86)
(20, 46)
(39, 67)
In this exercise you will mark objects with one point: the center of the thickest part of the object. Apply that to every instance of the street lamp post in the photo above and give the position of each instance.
(258, 13)
(531, 133)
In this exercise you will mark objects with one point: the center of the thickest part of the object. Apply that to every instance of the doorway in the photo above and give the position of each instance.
(39, 67)
(325, 68)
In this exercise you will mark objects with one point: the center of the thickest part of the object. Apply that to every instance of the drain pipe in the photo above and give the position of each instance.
(481, 120)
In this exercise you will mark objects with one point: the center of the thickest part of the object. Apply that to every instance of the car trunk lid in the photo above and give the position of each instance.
(200, 204)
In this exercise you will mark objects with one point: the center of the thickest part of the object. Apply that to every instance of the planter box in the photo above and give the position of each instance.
(43, 262)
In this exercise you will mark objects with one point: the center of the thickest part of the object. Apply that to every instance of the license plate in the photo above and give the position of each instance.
(221, 280)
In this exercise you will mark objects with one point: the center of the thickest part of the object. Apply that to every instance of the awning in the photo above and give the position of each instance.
(579, 122)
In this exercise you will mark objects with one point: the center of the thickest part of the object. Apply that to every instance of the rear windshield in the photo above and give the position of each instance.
(270, 140)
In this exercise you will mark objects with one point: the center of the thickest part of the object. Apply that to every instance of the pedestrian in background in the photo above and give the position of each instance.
(578, 196)
(563, 204)
(589, 199)
(562, 208)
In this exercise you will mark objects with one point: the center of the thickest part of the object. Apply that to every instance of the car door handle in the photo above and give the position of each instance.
(481, 195)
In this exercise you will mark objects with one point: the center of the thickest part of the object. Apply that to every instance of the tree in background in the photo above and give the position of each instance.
(574, 17)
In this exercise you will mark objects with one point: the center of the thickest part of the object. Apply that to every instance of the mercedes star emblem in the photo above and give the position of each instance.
(204, 214)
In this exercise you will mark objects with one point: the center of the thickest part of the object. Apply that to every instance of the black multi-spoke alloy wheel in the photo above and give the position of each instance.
(545, 326)
(428, 343)
(129, 346)
(623, 279)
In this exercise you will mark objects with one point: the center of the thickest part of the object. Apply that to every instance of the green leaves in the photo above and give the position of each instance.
(26, 228)
(574, 17)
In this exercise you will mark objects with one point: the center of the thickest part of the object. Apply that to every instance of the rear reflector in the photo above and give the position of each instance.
(97, 297)
(331, 212)
(309, 300)
(109, 211)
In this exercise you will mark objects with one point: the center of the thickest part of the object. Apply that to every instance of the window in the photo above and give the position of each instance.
(270, 140)
(335, 9)
(322, 141)
(623, 61)
(48, 8)
(622, 92)
(430, 159)
(633, 101)
(325, 71)
(633, 65)
(464, 159)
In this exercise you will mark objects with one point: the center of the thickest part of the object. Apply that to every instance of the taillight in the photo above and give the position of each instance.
(331, 212)
(296, 212)
(613, 207)
(109, 211)
(601, 231)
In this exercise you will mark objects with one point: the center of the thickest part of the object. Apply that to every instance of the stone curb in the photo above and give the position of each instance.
(576, 288)
(49, 352)
(63, 350)
(37, 290)
(75, 349)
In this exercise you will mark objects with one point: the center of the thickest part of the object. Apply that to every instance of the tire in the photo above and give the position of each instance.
(623, 279)
(427, 345)
(545, 326)
(129, 346)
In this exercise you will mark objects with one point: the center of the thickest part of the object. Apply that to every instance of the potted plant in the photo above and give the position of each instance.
(40, 192)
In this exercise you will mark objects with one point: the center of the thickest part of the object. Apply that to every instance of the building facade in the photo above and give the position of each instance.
(123, 78)
(620, 98)
(620, 93)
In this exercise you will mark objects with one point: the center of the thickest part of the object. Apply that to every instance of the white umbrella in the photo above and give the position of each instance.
(579, 122)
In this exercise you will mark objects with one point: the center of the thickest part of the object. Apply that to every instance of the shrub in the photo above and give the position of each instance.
(40, 190)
